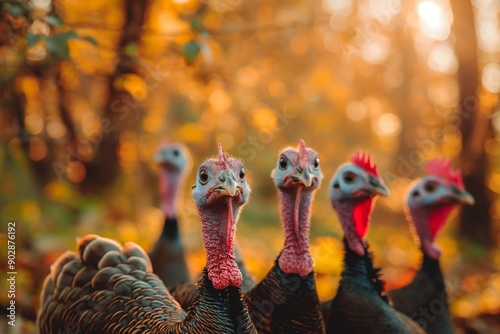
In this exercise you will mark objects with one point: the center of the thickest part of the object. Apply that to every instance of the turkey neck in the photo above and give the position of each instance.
(169, 188)
(345, 211)
(218, 229)
(295, 214)
(422, 232)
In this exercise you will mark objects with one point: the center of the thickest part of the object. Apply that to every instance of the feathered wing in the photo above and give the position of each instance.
(105, 288)
(361, 305)
(184, 293)
(109, 288)
(285, 303)
(167, 255)
(425, 300)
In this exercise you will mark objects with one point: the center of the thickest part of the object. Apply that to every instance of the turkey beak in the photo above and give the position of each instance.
(382, 190)
(462, 197)
(305, 178)
(375, 187)
(228, 186)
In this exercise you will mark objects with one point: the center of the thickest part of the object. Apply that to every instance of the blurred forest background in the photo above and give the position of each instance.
(89, 89)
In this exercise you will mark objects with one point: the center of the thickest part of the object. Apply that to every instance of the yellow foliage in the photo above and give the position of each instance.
(76, 171)
(134, 85)
(328, 254)
(264, 118)
(152, 122)
(127, 230)
(127, 151)
(494, 181)
(57, 190)
(29, 86)
(30, 211)
(192, 132)
(220, 100)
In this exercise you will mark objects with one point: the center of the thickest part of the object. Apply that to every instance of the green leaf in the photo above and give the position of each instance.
(130, 49)
(15, 10)
(90, 39)
(57, 46)
(190, 50)
(65, 36)
(196, 24)
(53, 20)
(32, 39)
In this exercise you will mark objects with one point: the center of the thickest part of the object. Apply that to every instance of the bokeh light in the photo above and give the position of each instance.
(376, 50)
(386, 76)
(387, 125)
(490, 78)
(356, 111)
(434, 21)
(442, 59)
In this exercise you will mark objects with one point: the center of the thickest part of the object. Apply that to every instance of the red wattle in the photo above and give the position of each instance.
(229, 227)
(437, 218)
(361, 216)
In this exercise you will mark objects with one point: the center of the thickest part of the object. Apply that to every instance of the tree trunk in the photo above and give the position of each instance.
(475, 126)
(121, 111)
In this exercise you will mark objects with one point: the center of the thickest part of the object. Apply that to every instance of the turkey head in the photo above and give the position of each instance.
(430, 201)
(352, 191)
(219, 194)
(297, 175)
(174, 161)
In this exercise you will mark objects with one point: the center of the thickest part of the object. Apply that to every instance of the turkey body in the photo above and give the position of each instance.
(110, 288)
(425, 299)
(285, 303)
(167, 255)
(361, 305)
(107, 288)
(429, 202)
(276, 302)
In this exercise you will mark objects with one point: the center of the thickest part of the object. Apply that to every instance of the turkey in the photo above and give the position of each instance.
(167, 254)
(286, 301)
(361, 305)
(110, 288)
(430, 200)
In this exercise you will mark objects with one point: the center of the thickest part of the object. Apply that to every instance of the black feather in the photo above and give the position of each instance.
(425, 299)
(285, 303)
(361, 304)
(114, 302)
(167, 255)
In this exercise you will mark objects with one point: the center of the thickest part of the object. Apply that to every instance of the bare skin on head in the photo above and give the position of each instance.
(430, 201)
(219, 193)
(174, 161)
(297, 176)
(353, 190)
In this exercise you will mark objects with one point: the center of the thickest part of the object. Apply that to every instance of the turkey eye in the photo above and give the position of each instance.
(316, 163)
(430, 187)
(175, 152)
(203, 176)
(283, 163)
(242, 174)
(349, 177)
